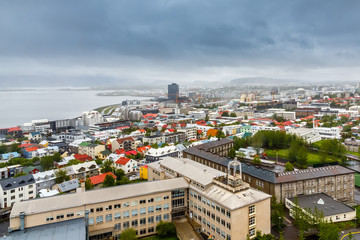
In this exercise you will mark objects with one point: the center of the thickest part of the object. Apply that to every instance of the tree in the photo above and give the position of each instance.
(277, 214)
(88, 184)
(232, 153)
(220, 134)
(119, 173)
(3, 149)
(298, 153)
(288, 167)
(14, 147)
(256, 160)
(109, 181)
(233, 114)
(107, 166)
(155, 145)
(20, 174)
(57, 157)
(61, 176)
(350, 236)
(225, 114)
(165, 229)
(328, 231)
(47, 162)
(98, 161)
(128, 234)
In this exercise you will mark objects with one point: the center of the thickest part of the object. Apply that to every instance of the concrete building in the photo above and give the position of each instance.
(335, 181)
(83, 170)
(127, 143)
(10, 171)
(328, 133)
(154, 155)
(91, 118)
(44, 180)
(220, 147)
(173, 91)
(190, 132)
(332, 210)
(352, 144)
(222, 206)
(91, 149)
(13, 190)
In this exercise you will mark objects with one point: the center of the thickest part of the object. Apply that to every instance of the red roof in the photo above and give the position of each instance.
(31, 149)
(142, 130)
(122, 160)
(100, 178)
(82, 157)
(131, 152)
(121, 140)
(120, 151)
(143, 149)
(124, 127)
(199, 131)
(25, 145)
(14, 129)
(150, 115)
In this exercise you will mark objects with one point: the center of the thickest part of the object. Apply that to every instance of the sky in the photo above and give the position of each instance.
(61, 42)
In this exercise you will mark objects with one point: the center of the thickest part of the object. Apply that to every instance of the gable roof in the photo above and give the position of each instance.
(100, 178)
(11, 183)
(69, 185)
(122, 160)
(121, 140)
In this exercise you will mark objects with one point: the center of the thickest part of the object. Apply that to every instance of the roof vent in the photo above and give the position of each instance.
(320, 202)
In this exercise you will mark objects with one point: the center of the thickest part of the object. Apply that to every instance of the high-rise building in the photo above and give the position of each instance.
(173, 91)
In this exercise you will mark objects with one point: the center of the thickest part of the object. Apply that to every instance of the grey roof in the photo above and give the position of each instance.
(71, 230)
(212, 144)
(207, 155)
(11, 183)
(310, 173)
(327, 204)
(69, 185)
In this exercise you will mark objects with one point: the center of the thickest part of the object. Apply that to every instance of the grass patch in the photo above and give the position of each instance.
(357, 179)
(138, 180)
(108, 110)
(158, 238)
(353, 153)
(313, 158)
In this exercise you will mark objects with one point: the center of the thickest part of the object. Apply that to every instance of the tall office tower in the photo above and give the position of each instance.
(173, 91)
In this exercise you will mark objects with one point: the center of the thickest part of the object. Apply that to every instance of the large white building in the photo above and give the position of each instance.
(14, 190)
(329, 133)
(91, 118)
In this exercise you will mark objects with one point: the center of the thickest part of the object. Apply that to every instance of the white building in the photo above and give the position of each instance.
(190, 132)
(17, 189)
(91, 118)
(329, 133)
(154, 155)
(44, 180)
(126, 164)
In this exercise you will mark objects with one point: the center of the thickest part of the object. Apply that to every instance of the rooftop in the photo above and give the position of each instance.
(212, 144)
(11, 183)
(65, 201)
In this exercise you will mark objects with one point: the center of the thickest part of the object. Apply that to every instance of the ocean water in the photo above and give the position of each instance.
(18, 107)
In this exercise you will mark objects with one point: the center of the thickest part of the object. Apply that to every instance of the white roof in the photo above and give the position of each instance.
(48, 193)
(44, 176)
(86, 165)
(162, 151)
(78, 199)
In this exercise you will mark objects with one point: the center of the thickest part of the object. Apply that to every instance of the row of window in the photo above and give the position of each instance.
(213, 227)
(62, 216)
(132, 223)
(210, 203)
(212, 215)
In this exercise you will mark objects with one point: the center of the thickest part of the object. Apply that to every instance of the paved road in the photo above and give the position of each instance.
(355, 232)
(185, 230)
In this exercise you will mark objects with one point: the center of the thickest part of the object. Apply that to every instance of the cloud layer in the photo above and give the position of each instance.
(181, 40)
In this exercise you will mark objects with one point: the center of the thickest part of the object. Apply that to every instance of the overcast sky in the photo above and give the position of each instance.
(182, 40)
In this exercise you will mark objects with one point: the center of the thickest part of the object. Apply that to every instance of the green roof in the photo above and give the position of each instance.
(84, 144)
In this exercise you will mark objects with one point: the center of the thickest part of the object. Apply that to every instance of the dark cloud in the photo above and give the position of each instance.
(178, 35)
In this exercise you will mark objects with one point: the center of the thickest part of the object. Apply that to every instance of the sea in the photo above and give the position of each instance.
(22, 106)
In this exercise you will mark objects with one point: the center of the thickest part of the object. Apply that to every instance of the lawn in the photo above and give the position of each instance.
(357, 179)
(158, 238)
(353, 153)
(313, 158)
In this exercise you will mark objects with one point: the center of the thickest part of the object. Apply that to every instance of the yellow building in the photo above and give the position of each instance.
(104, 154)
(144, 172)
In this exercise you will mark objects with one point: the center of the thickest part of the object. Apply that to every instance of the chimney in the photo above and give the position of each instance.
(22, 221)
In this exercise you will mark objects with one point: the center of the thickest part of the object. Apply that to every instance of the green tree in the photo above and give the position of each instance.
(128, 234)
(165, 229)
(98, 161)
(256, 160)
(233, 114)
(47, 162)
(155, 145)
(328, 231)
(88, 184)
(61, 176)
(14, 147)
(288, 167)
(109, 181)
(3, 149)
(298, 153)
(220, 134)
(350, 236)
(232, 153)
(20, 174)
(225, 114)
(107, 166)
(57, 157)
(277, 214)
(119, 173)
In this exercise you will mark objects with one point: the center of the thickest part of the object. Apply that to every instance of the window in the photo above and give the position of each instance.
(21, 195)
(126, 224)
(31, 192)
(99, 209)
(49, 219)
(151, 209)
(117, 215)
(99, 219)
(142, 221)
(251, 220)
(126, 214)
(213, 216)
(151, 219)
(117, 226)
(108, 207)
(158, 199)
(108, 217)
(134, 212)
(217, 208)
(218, 219)
(70, 215)
(134, 203)
(158, 218)
(228, 226)
(177, 193)
(151, 230)
(166, 206)
(251, 209)
(117, 206)
(228, 213)
(251, 232)
(134, 223)
(166, 216)
(80, 213)
(126, 204)
(223, 222)
(151, 200)
(142, 201)
(59, 216)
(142, 211)
(223, 211)
(12, 191)
(158, 208)
(12, 197)
(91, 221)
(178, 202)
(166, 197)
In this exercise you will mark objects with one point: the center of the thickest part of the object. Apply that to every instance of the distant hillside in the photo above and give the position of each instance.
(262, 81)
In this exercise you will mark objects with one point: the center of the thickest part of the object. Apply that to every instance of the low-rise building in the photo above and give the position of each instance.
(127, 143)
(190, 132)
(99, 179)
(8, 156)
(14, 190)
(67, 186)
(10, 171)
(154, 155)
(83, 170)
(126, 164)
(91, 149)
(328, 133)
(332, 210)
(352, 144)
(220, 147)
(44, 180)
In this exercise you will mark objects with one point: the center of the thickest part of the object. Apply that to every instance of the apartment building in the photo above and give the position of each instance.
(44, 180)
(91, 149)
(166, 138)
(190, 132)
(13, 190)
(222, 204)
(352, 144)
(336, 181)
(328, 133)
(220, 147)
(83, 170)
(154, 155)
(127, 143)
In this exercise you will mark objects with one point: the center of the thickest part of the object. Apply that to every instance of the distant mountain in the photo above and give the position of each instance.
(262, 81)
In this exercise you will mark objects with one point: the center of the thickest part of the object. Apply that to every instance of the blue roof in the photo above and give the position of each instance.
(5, 156)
